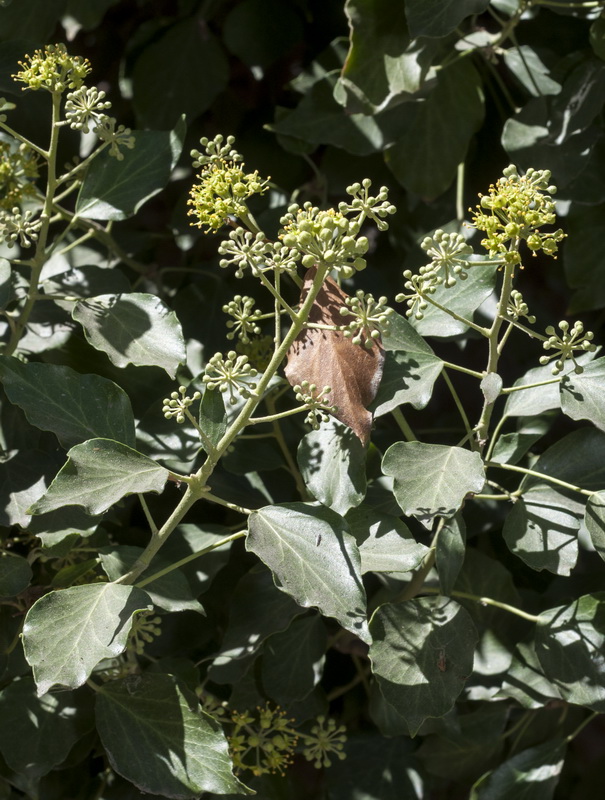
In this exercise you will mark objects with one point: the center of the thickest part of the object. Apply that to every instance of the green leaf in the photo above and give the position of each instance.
(467, 748)
(213, 417)
(23, 479)
(569, 644)
(438, 131)
(383, 67)
(422, 654)
(66, 633)
(440, 17)
(114, 190)
(385, 542)
(432, 480)
(450, 552)
(261, 31)
(30, 19)
(583, 395)
(511, 447)
(157, 737)
(189, 538)
(528, 69)
(97, 474)
(56, 528)
(134, 329)
(15, 574)
(258, 610)
(161, 95)
(74, 407)
(464, 298)
(37, 733)
(525, 680)
(530, 775)
(332, 464)
(314, 559)
(170, 592)
(594, 520)
(543, 524)
(6, 286)
(584, 257)
(410, 369)
(375, 768)
(86, 281)
(292, 661)
(89, 14)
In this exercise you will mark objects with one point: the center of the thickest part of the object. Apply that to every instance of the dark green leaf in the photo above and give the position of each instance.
(450, 552)
(133, 329)
(261, 31)
(170, 592)
(23, 480)
(431, 479)
(213, 418)
(74, 407)
(89, 14)
(530, 775)
(410, 368)
(65, 523)
(511, 447)
(86, 281)
(258, 610)
(6, 287)
(440, 17)
(464, 298)
(97, 474)
(569, 644)
(191, 49)
(543, 524)
(332, 464)
(115, 189)
(157, 737)
(527, 68)
(470, 747)
(438, 131)
(37, 733)
(585, 257)
(583, 395)
(525, 680)
(30, 19)
(66, 633)
(189, 538)
(421, 655)
(595, 521)
(385, 542)
(293, 660)
(314, 559)
(15, 574)
(374, 769)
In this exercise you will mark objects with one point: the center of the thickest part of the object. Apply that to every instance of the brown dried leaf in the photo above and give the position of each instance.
(328, 358)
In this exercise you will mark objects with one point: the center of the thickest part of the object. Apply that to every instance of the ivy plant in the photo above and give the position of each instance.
(241, 551)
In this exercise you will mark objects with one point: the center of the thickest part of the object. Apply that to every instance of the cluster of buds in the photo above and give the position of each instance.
(325, 738)
(18, 168)
(17, 225)
(145, 628)
(177, 405)
(245, 318)
(316, 401)
(448, 252)
(230, 374)
(370, 318)
(245, 250)
(516, 207)
(418, 286)
(53, 69)
(365, 206)
(223, 187)
(565, 344)
(518, 308)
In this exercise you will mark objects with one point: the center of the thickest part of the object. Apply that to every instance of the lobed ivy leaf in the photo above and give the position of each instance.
(15, 574)
(440, 17)
(134, 329)
(385, 542)
(569, 644)
(410, 368)
(115, 190)
(73, 406)
(422, 654)
(431, 479)
(525, 680)
(157, 737)
(314, 559)
(97, 474)
(332, 463)
(583, 395)
(68, 632)
(530, 775)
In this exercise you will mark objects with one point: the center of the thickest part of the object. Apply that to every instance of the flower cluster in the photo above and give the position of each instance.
(516, 207)
(325, 237)
(19, 225)
(145, 628)
(448, 253)
(53, 69)
(178, 403)
(245, 250)
(223, 187)
(244, 320)
(326, 737)
(18, 167)
(418, 287)
(316, 401)
(364, 206)
(370, 318)
(565, 344)
(518, 308)
(231, 374)
(85, 108)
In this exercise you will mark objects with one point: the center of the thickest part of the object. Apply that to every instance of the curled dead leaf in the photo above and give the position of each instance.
(329, 358)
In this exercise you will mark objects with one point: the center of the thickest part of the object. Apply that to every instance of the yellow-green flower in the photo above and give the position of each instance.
(53, 69)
